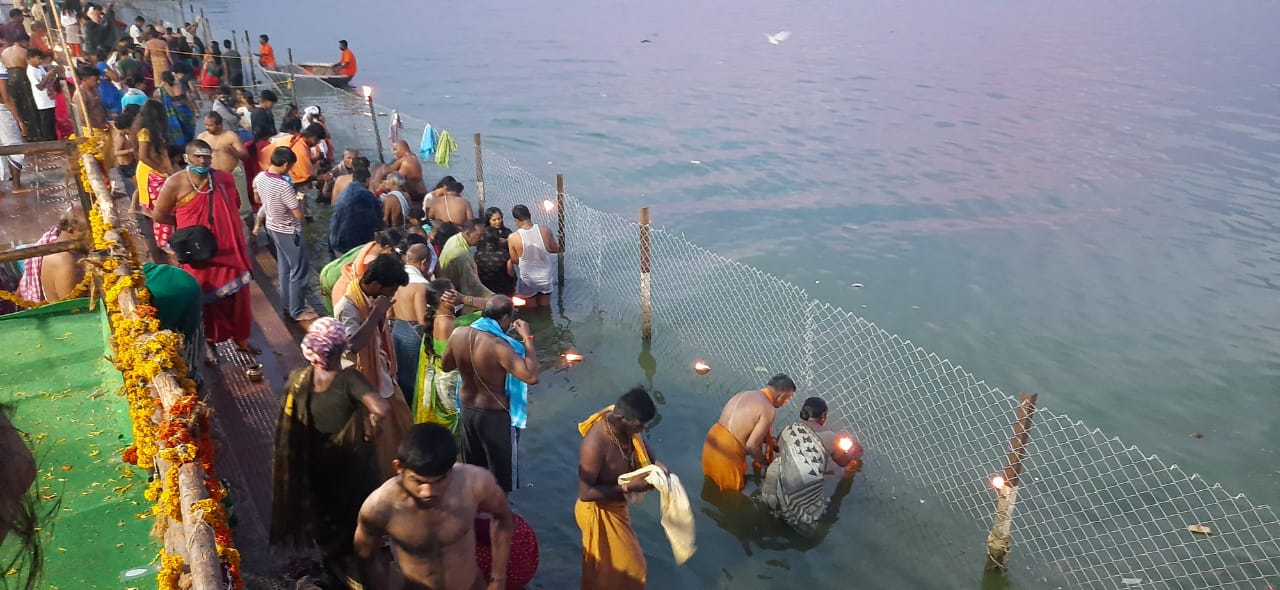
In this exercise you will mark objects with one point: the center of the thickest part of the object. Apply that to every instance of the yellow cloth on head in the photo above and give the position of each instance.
(637, 443)
(612, 558)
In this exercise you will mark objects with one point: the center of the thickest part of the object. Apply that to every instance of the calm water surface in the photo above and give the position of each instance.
(1077, 199)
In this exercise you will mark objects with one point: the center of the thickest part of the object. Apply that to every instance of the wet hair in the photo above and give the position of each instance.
(314, 131)
(454, 187)
(781, 382)
(361, 175)
(488, 213)
(389, 238)
(291, 126)
(428, 450)
(444, 230)
(435, 291)
(269, 96)
(152, 117)
(283, 156)
(415, 212)
(124, 121)
(446, 181)
(521, 213)
(492, 241)
(636, 405)
(498, 307)
(386, 270)
(813, 408)
(214, 115)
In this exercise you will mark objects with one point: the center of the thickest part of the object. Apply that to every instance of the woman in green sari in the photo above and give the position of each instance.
(324, 455)
(435, 395)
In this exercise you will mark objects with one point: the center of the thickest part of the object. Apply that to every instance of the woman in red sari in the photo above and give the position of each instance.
(185, 200)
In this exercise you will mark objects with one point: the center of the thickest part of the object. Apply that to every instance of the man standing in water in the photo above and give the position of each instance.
(745, 428)
(612, 558)
(496, 372)
(530, 249)
(428, 509)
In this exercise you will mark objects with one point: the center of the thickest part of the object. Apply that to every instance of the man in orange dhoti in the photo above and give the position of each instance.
(612, 558)
(745, 428)
(363, 313)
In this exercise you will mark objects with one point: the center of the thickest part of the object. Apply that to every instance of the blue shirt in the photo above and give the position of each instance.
(357, 215)
(108, 91)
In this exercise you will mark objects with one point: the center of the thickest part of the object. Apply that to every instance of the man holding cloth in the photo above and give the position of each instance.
(496, 372)
(458, 264)
(363, 312)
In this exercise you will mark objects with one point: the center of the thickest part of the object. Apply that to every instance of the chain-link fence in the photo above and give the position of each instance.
(1099, 512)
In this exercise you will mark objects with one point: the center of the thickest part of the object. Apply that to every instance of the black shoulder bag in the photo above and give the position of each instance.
(196, 243)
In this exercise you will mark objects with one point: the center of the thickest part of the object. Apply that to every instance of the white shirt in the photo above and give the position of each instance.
(136, 32)
(36, 75)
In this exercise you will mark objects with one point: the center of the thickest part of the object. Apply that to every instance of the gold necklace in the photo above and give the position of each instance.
(631, 461)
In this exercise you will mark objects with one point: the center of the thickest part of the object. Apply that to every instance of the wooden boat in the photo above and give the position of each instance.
(320, 71)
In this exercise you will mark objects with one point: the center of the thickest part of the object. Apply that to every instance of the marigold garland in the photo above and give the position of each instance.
(142, 352)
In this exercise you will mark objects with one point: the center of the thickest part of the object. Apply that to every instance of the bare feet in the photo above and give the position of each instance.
(246, 347)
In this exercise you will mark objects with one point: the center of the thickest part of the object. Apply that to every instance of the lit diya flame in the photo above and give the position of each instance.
(701, 368)
(548, 205)
(518, 301)
(572, 357)
(845, 443)
(997, 482)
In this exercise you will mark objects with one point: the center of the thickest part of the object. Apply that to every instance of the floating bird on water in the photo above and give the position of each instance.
(778, 38)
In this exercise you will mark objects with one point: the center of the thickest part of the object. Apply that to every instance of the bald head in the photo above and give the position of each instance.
(417, 254)
(401, 148)
(499, 308)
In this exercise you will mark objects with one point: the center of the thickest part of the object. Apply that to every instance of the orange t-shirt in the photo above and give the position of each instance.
(301, 169)
(349, 59)
(268, 56)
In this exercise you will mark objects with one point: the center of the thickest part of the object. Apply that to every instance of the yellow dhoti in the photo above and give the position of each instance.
(724, 459)
(611, 555)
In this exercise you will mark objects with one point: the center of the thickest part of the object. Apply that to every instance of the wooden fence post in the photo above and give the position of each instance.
(560, 230)
(248, 54)
(1000, 539)
(646, 299)
(479, 175)
(293, 88)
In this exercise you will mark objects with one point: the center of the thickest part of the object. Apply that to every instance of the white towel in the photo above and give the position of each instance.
(677, 516)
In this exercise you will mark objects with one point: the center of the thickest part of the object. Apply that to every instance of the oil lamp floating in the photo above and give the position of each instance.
(548, 205)
(701, 368)
(571, 357)
(518, 301)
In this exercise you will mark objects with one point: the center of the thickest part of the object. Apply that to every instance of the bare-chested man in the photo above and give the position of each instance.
(330, 178)
(54, 277)
(409, 314)
(18, 85)
(448, 204)
(228, 155)
(612, 558)
(428, 509)
(342, 181)
(745, 428)
(493, 407)
(407, 164)
(156, 52)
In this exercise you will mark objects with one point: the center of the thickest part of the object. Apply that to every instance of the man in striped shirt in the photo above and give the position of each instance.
(282, 214)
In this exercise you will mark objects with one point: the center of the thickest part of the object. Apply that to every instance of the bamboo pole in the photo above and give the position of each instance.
(208, 28)
(560, 230)
(293, 89)
(1000, 538)
(646, 299)
(248, 52)
(479, 174)
(373, 116)
(42, 250)
(199, 550)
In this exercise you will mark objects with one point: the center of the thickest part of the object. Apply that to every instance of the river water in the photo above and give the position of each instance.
(1075, 199)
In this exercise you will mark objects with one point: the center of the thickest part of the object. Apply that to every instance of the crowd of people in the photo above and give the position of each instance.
(403, 430)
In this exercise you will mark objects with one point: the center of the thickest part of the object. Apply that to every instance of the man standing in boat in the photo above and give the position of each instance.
(347, 62)
(266, 55)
